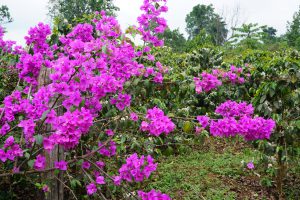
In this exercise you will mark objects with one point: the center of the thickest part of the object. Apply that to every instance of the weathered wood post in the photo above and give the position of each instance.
(56, 187)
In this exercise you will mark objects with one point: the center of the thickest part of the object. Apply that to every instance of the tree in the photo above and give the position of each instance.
(200, 40)
(248, 35)
(204, 17)
(72, 9)
(174, 39)
(5, 15)
(293, 33)
(270, 32)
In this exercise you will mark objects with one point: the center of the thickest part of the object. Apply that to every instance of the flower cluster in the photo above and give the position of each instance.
(61, 165)
(234, 109)
(11, 150)
(8, 46)
(69, 128)
(37, 37)
(157, 123)
(39, 163)
(250, 165)
(108, 152)
(153, 194)
(122, 101)
(203, 121)
(238, 120)
(208, 81)
(234, 75)
(151, 17)
(136, 169)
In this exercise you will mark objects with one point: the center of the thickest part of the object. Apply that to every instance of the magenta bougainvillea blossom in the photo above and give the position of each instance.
(203, 121)
(208, 82)
(250, 165)
(153, 194)
(238, 120)
(61, 165)
(91, 188)
(39, 163)
(136, 169)
(134, 116)
(234, 109)
(157, 123)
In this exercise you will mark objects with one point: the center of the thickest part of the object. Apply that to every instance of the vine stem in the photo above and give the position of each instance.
(66, 187)
(111, 178)
(51, 169)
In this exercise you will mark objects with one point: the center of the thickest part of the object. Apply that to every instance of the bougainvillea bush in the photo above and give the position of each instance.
(77, 100)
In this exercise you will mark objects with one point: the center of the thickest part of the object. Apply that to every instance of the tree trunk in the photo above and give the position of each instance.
(56, 187)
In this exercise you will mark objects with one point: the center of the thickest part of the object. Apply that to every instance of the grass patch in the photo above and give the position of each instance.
(202, 175)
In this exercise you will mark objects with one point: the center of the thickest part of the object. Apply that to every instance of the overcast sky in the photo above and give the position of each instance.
(276, 13)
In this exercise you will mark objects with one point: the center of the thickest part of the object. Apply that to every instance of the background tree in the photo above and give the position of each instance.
(248, 35)
(293, 32)
(203, 39)
(72, 9)
(269, 35)
(174, 39)
(204, 17)
(5, 16)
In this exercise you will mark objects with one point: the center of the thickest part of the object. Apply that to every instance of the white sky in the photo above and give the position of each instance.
(276, 13)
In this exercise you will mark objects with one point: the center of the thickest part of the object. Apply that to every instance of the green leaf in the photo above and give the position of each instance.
(136, 81)
(104, 49)
(298, 124)
(74, 183)
(19, 88)
(187, 127)
(263, 98)
(30, 163)
(27, 155)
(56, 172)
(38, 139)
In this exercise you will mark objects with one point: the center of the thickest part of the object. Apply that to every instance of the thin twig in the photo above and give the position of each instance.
(67, 187)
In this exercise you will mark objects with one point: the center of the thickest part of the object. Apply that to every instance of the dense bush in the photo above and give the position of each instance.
(90, 104)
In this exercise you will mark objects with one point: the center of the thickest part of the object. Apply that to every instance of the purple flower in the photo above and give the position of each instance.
(3, 155)
(9, 142)
(134, 116)
(61, 165)
(109, 132)
(250, 165)
(117, 180)
(136, 168)
(45, 188)
(100, 180)
(208, 82)
(4, 129)
(122, 101)
(203, 121)
(48, 144)
(234, 109)
(153, 194)
(40, 162)
(198, 130)
(100, 164)
(86, 165)
(91, 188)
(158, 123)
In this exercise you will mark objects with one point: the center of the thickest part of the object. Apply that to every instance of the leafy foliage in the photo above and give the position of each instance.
(204, 17)
(293, 32)
(248, 35)
(174, 39)
(77, 9)
(5, 16)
